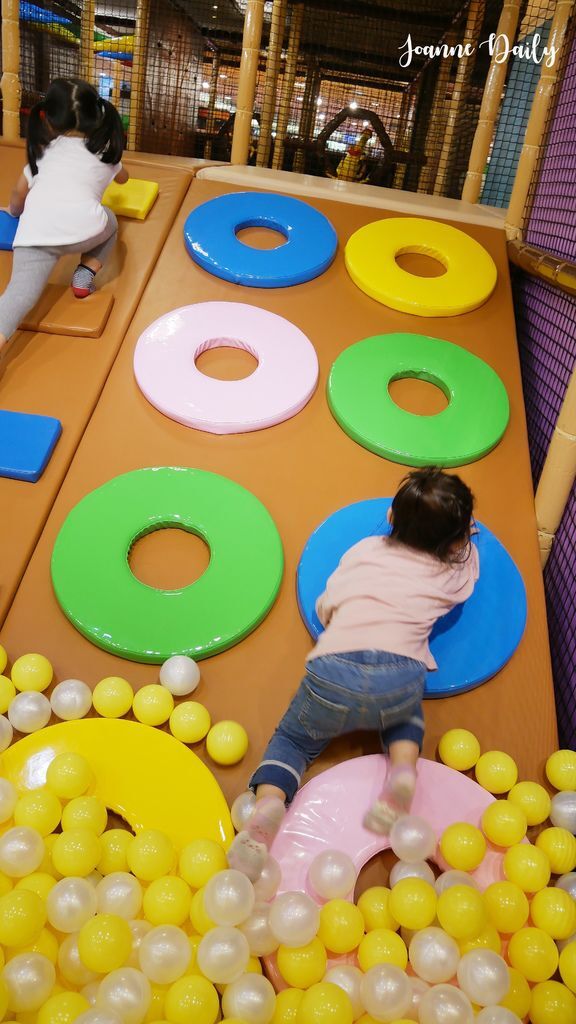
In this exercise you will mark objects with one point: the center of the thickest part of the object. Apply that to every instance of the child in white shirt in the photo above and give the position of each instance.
(74, 142)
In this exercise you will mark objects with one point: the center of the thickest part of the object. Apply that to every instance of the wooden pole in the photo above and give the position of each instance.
(288, 83)
(460, 92)
(211, 119)
(543, 265)
(10, 82)
(87, 56)
(247, 81)
(558, 474)
(403, 133)
(138, 78)
(308, 114)
(275, 42)
(438, 118)
(490, 101)
(535, 128)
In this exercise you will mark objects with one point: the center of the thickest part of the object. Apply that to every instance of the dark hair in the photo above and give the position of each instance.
(432, 512)
(73, 105)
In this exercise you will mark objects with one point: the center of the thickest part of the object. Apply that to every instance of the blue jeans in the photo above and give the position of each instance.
(342, 693)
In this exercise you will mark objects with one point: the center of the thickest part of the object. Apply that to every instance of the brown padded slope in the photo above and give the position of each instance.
(302, 470)
(59, 312)
(63, 376)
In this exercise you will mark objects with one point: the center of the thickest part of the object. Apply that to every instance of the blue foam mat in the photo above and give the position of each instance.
(470, 644)
(8, 227)
(26, 444)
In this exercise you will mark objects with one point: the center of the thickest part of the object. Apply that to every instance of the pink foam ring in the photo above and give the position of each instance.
(283, 382)
(327, 814)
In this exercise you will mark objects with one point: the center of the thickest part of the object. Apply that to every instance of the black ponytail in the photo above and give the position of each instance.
(74, 105)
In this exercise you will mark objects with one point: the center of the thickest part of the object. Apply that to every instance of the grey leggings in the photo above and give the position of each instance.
(32, 266)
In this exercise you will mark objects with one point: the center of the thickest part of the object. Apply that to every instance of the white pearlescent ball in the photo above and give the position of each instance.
(29, 711)
(180, 674)
(71, 699)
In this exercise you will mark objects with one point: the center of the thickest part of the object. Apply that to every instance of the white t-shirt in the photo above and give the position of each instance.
(63, 206)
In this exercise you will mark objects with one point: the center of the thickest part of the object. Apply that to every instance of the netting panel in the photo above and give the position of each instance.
(559, 578)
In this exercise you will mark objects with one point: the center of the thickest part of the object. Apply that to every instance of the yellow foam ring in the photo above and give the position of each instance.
(142, 774)
(470, 272)
(120, 44)
(134, 199)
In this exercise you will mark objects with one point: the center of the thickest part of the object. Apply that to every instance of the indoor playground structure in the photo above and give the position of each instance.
(351, 266)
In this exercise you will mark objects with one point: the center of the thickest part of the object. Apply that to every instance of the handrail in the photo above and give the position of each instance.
(554, 270)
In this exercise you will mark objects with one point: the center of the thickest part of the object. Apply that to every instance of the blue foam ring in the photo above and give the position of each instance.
(210, 238)
(8, 227)
(26, 444)
(31, 12)
(470, 644)
(115, 55)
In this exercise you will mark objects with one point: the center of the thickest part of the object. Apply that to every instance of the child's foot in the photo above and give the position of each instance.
(248, 856)
(395, 799)
(83, 281)
(265, 820)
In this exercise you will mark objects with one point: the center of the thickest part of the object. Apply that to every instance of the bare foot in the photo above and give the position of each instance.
(248, 856)
(394, 801)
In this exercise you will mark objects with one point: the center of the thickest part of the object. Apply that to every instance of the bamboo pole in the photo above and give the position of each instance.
(438, 117)
(460, 91)
(506, 31)
(138, 78)
(275, 42)
(543, 265)
(535, 128)
(247, 81)
(308, 113)
(403, 132)
(288, 83)
(211, 118)
(558, 474)
(10, 82)
(87, 55)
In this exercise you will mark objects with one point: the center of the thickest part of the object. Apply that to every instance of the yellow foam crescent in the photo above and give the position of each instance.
(143, 774)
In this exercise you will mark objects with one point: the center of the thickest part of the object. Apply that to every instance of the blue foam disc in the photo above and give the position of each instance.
(211, 240)
(26, 444)
(470, 644)
(8, 227)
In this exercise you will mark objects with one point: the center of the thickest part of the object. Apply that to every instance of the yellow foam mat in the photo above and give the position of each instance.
(134, 199)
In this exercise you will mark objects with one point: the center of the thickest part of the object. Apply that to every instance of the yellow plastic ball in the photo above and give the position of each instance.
(76, 852)
(552, 1003)
(413, 903)
(463, 846)
(507, 906)
(32, 672)
(155, 1014)
(302, 966)
(487, 939)
(459, 749)
(104, 943)
(227, 742)
(198, 916)
(167, 901)
(200, 860)
(527, 866)
(504, 823)
(114, 850)
(554, 911)
(382, 946)
(69, 775)
(532, 952)
(561, 769)
(287, 1006)
(559, 845)
(325, 1003)
(7, 693)
(85, 812)
(567, 966)
(22, 917)
(39, 882)
(63, 1008)
(150, 855)
(533, 799)
(153, 704)
(45, 943)
(374, 905)
(190, 722)
(3, 658)
(341, 926)
(112, 697)
(518, 997)
(254, 966)
(47, 864)
(461, 913)
(192, 998)
(496, 771)
(39, 809)
(6, 883)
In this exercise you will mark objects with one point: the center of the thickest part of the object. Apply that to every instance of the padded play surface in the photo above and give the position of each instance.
(302, 470)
